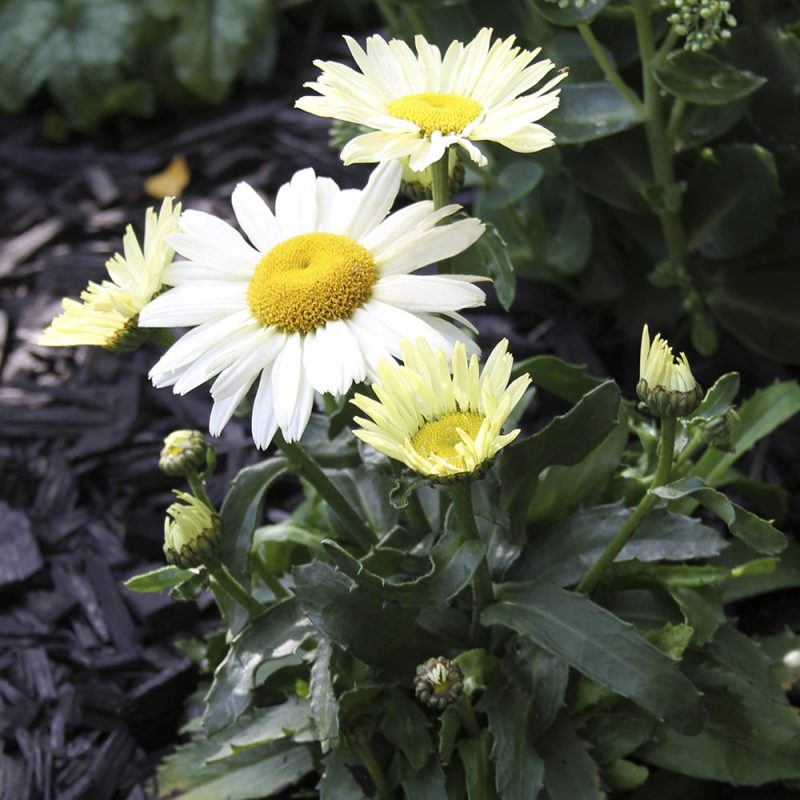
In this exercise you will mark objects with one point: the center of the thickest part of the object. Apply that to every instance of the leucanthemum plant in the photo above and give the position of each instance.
(459, 607)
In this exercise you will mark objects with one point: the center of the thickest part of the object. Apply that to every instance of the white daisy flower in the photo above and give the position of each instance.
(420, 104)
(320, 295)
(108, 313)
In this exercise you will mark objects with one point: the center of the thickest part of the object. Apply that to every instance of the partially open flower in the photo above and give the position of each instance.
(666, 384)
(442, 425)
(438, 682)
(417, 104)
(108, 315)
(192, 533)
(183, 452)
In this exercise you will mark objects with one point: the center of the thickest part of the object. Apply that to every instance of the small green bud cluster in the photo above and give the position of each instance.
(438, 682)
(579, 4)
(192, 533)
(702, 22)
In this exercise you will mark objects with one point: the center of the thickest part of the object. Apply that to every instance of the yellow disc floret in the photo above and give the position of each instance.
(440, 437)
(309, 280)
(434, 111)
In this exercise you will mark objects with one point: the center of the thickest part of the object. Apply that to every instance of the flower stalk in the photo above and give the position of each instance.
(305, 466)
(440, 181)
(482, 591)
(364, 752)
(645, 506)
(221, 576)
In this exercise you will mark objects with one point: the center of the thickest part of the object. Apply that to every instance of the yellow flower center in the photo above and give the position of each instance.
(433, 111)
(310, 280)
(440, 437)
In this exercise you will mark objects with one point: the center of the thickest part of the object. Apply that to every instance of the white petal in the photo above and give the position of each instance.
(223, 410)
(261, 351)
(529, 139)
(332, 358)
(301, 413)
(210, 240)
(379, 146)
(255, 218)
(286, 374)
(193, 304)
(264, 424)
(296, 204)
(431, 293)
(376, 200)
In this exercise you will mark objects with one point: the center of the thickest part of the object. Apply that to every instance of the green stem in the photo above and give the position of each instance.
(663, 470)
(675, 119)
(440, 184)
(199, 488)
(660, 154)
(670, 40)
(691, 447)
(364, 752)
(219, 572)
(461, 494)
(467, 715)
(609, 70)
(269, 580)
(307, 468)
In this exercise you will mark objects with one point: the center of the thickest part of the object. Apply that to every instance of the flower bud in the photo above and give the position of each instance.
(418, 185)
(184, 452)
(666, 385)
(192, 533)
(438, 682)
(716, 432)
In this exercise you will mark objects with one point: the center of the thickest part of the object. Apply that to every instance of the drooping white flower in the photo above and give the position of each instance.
(418, 104)
(107, 317)
(441, 422)
(321, 294)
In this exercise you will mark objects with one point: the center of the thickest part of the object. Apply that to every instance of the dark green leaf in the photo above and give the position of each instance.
(566, 550)
(570, 772)
(570, 14)
(758, 416)
(477, 667)
(590, 111)
(357, 621)
(191, 588)
(337, 779)
(568, 439)
(405, 725)
(624, 775)
(785, 576)
(617, 734)
(759, 307)
(324, 707)
(600, 646)
(703, 124)
(292, 533)
(453, 563)
(672, 640)
(702, 610)
(449, 728)
(367, 490)
(157, 580)
(424, 784)
(474, 755)
(492, 257)
(719, 398)
(704, 80)
(748, 740)
(755, 532)
(261, 726)
(212, 43)
(240, 511)
(732, 203)
(745, 657)
(513, 183)
(255, 773)
(277, 632)
(567, 381)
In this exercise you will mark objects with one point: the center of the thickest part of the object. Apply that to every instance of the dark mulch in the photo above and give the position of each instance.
(91, 683)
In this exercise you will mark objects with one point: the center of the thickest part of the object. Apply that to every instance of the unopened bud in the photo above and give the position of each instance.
(184, 452)
(438, 682)
(717, 431)
(192, 533)
(666, 385)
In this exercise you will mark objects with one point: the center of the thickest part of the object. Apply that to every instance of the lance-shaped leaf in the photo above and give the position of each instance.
(748, 739)
(600, 646)
(590, 111)
(756, 533)
(566, 550)
(324, 706)
(567, 381)
(276, 633)
(567, 440)
(570, 771)
(453, 563)
(405, 725)
(157, 579)
(356, 620)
